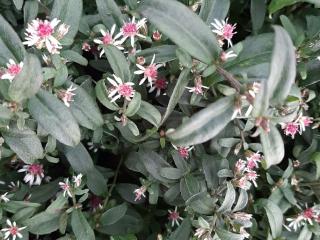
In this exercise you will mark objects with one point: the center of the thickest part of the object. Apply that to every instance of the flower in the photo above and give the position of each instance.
(241, 216)
(304, 121)
(77, 180)
(12, 230)
(197, 89)
(42, 34)
(156, 35)
(302, 218)
(67, 95)
(224, 30)
(158, 85)
(34, 173)
(131, 29)
(240, 166)
(203, 233)
(4, 197)
(290, 128)
(120, 89)
(243, 183)
(252, 161)
(140, 192)
(86, 47)
(108, 39)
(226, 55)
(150, 72)
(13, 69)
(183, 151)
(252, 176)
(65, 186)
(174, 217)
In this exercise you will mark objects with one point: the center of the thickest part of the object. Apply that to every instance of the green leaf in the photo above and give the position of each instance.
(74, 57)
(290, 28)
(316, 158)
(84, 108)
(118, 63)
(55, 118)
(226, 235)
(164, 53)
(205, 124)
(171, 173)
(276, 5)
(96, 182)
(11, 46)
(258, 11)
(114, 214)
(69, 12)
(25, 143)
(183, 27)
(282, 73)
(182, 232)
(28, 82)
(102, 95)
(242, 201)
(18, 4)
(273, 147)
(214, 9)
(43, 223)
(107, 9)
(305, 234)
(134, 105)
(148, 112)
(30, 10)
(229, 199)
(178, 90)
(80, 226)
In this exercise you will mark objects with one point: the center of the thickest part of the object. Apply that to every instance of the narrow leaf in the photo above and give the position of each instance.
(80, 226)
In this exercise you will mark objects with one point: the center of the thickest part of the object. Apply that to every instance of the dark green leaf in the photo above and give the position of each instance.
(182, 232)
(102, 95)
(226, 235)
(107, 9)
(229, 199)
(81, 228)
(148, 112)
(258, 11)
(214, 9)
(114, 214)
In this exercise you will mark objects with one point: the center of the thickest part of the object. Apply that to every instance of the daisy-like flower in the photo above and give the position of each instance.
(203, 233)
(120, 89)
(290, 128)
(150, 73)
(131, 29)
(77, 180)
(12, 70)
(227, 55)
(42, 34)
(252, 176)
(86, 47)
(158, 85)
(34, 173)
(67, 95)
(243, 183)
(12, 230)
(304, 121)
(65, 186)
(184, 152)
(239, 166)
(304, 217)
(224, 30)
(253, 160)
(174, 217)
(4, 198)
(109, 39)
(140, 192)
(198, 87)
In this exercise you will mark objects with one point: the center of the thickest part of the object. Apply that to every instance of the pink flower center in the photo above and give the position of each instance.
(252, 175)
(14, 231)
(44, 30)
(292, 128)
(125, 90)
(251, 164)
(14, 69)
(183, 152)
(228, 31)
(129, 29)
(308, 213)
(107, 39)
(160, 84)
(65, 186)
(151, 72)
(35, 169)
(173, 216)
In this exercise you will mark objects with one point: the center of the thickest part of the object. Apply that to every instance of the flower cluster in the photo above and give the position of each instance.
(68, 187)
(67, 95)
(224, 30)
(307, 216)
(297, 126)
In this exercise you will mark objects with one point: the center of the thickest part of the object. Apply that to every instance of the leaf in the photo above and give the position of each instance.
(102, 95)
(84, 108)
(11, 46)
(258, 11)
(273, 147)
(114, 214)
(229, 199)
(205, 124)
(18, 4)
(210, 169)
(282, 73)
(74, 57)
(242, 201)
(69, 12)
(305, 234)
(30, 10)
(55, 118)
(182, 232)
(43, 223)
(118, 63)
(107, 8)
(81, 228)
(214, 9)
(28, 82)
(178, 90)
(276, 5)
(148, 112)
(171, 173)
(134, 105)
(183, 27)
(96, 182)
(226, 235)
(164, 53)
(25, 143)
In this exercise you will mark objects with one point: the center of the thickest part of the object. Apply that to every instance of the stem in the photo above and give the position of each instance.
(230, 78)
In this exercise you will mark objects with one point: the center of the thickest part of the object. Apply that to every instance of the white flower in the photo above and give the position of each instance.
(184, 152)
(41, 34)
(12, 70)
(174, 217)
(203, 233)
(131, 29)
(120, 89)
(67, 95)
(34, 173)
(77, 180)
(4, 197)
(65, 186)
(108, 39)
(224, 30)
(12, 230)
(198, 87)
(150, 72)
(296, 223)
(227, 55)
(140, 192)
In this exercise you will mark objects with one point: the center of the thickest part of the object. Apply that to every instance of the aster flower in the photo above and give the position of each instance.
(253, 160)
(184, 152)
(244, 183)
(174, 217)
(108, 39)
(302, 218)
(290, 128)
(140, 192)
(34, 173)
(77, 180)
(227, 55)
(12, 70)
(67, 95)
(156, 35)
(42, 34)
(65, 186)
(158, 85)
(131, 29)
(150, 72)
(239, 166)
(203, 233)
(224, 30)
(86, 47)
(12, 230)
(252, 176)
(4, 197)
(304, 121)
(198, 87)
(120, 89)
